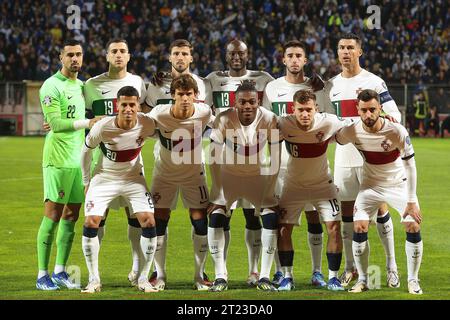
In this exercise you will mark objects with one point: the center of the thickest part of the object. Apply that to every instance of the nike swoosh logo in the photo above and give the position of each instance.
(282, 94)
(335, 94)
(111, 143)
(167, 131)
(69, 97)
(105, 92)
(167, 92)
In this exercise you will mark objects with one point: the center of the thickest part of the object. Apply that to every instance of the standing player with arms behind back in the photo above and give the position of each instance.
(101, 99)
(63, 106)
(343, 90)
(224, 84)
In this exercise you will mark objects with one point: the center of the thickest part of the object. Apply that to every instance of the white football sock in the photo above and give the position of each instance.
(42, 273)
(386, 234)
(414, 253)
(347, 239)
(216, 241)
(269, 246)
(160, 256)
(134, 235)
(288, 271)
(278, 267)
(148, 248)
(253, 242)
(101, 234)
(227, 236)
(91, 247)
(361, 251)
(200, 254)
(59, 268)
(315, 247)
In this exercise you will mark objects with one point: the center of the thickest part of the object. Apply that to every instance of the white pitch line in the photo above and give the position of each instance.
(20, 179)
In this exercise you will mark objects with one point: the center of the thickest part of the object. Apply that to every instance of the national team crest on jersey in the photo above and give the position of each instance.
(385, 145)
(89, 205)
(47, 101)
(139, 141)
(61, 194)
(156, 196)
(319, 136)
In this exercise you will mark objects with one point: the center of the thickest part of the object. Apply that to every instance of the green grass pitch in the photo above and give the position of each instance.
(21, 211)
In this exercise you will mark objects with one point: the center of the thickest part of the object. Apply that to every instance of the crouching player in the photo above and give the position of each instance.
(119, 173)
(239, 137)
(389, 175)
(307, 135)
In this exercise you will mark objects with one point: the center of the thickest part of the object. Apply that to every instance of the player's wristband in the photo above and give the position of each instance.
(81, 124)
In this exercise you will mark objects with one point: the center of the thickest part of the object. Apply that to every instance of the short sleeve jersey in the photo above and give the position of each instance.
(121, 148)
(180, 154)
(101, 92)
(342, 92)
(279, 95)
(224, 86)
(244, 151)
(382, 151)
(62, 97)
(308, 164)
(161, 95)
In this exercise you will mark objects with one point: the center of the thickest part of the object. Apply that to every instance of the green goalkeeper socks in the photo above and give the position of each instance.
(64, 241)
(44, 241)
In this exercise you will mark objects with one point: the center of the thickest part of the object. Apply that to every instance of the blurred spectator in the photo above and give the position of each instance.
(421, 109)
(432, 122)
(413, 42)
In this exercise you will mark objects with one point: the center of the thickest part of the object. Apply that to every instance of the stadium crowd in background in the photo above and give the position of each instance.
(411, 46)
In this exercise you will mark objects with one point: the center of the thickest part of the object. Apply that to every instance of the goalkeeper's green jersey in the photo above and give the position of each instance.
(62, 102)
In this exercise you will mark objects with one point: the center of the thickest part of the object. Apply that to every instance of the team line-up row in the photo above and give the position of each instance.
(302, 183)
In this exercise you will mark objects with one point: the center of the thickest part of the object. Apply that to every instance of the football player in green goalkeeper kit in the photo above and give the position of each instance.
(63, 106)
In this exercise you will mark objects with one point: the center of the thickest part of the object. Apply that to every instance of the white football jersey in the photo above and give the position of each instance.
(224, 86)
(180, 151)
(279, 95)
(342, 93)
(161, 95)
(308, 164)
(100, 92)
(121, 148)
(382, 151)
(244, 150)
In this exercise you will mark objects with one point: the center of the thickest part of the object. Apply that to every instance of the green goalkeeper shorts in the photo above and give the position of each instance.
(63, 185)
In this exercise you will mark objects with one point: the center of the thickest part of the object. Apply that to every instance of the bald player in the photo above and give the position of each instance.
(224, 85)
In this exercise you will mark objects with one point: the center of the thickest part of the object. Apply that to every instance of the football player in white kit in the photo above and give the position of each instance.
(238, 142)
(118, 174)
(389, 175)
(100, 94)
(342, 91)
(180, 59)
(307, 134)
(179, 168)
(278, 97)
(224, 84)
(158, 92)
